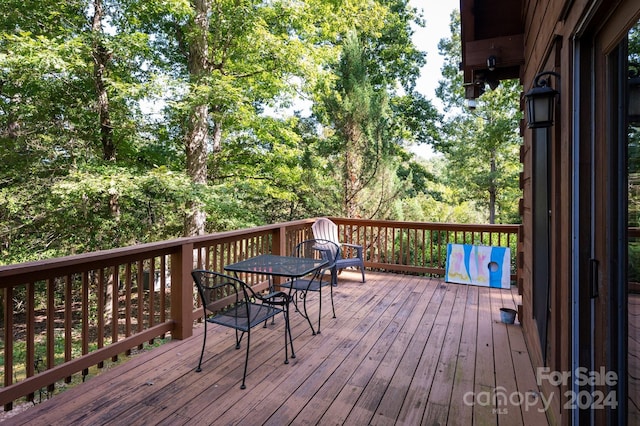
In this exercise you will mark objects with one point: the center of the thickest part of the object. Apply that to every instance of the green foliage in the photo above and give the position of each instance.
(481, 146)
(91, 209)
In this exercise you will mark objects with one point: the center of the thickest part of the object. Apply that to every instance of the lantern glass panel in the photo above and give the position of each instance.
(540, 109)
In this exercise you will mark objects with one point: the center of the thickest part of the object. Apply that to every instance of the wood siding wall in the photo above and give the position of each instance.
(541, 50)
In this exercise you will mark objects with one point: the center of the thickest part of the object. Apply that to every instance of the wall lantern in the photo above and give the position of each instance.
(633, 107)
(491, 63)
(471, 104)
(540, 101)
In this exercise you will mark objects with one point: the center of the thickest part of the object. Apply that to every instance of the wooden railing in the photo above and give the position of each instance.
(419, 247)
(63, 316)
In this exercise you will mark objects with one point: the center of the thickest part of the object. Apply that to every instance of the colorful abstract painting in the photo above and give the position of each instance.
(478, 265)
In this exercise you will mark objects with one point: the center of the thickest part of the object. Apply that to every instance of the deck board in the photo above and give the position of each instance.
(413, 344)
(402, 350)
(464, 378)
(505, 373)
(484, 410)
(375, 372)
(414, 405)
(437, 409)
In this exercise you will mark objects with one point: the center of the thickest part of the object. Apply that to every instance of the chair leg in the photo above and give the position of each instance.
(246, 360)
(295, 299)
(288, 329)
(204, 342)
(319, 306)
(306, 315)
(362, 270)
(332, 305)
(238, 339)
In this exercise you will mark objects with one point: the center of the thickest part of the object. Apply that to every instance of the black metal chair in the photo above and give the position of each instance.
(324, 228)
(314, 249)
(242, 309)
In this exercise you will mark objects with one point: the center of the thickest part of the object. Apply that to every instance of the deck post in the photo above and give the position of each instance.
(279, 246)
(182, 292)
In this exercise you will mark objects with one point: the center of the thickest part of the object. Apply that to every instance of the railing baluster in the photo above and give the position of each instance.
(163, 291)
(201, 261)
(127, 303)
(8, 340)
(140, 304)
(85, 318)
(401, 244)
(101, 305)
(115, 306)
(393, 256)
(30, 365)
(51, 318)
(152, 294)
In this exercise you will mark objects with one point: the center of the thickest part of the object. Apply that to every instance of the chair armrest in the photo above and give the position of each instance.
(352, 245)
(269, 298)
(357, 247)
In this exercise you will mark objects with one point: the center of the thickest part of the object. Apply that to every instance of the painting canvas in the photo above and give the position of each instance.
(478, 265)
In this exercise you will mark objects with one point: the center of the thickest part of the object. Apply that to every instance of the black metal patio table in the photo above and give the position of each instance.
(282, 266)
(276, 265)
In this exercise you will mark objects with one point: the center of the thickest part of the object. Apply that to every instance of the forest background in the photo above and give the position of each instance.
(130, 121)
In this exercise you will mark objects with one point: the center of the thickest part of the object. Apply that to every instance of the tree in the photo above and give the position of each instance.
(227, 59)
(480, 145)
(197, 129)
(369, 110)
(69, 148)
(101, 57)
(357, 113)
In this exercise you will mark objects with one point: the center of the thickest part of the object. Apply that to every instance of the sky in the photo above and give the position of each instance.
(436, 14)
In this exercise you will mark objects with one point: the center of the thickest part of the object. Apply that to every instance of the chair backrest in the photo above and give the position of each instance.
(318, 249)
(214, 287)
(324, 229)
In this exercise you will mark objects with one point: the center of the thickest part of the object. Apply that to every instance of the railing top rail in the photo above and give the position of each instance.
(37, 270)
(91, 260)
(429, 225)
(247, 232)
(42, 269)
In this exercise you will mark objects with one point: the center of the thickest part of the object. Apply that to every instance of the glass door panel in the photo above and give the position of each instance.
(633, 235)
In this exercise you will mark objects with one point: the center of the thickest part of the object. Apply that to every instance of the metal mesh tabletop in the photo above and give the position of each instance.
(272, 264)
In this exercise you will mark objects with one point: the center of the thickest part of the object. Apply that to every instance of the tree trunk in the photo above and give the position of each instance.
(492, 190)
(101, 58)
(353, 167)
(198, 130)
(110, 293)
(197, 168)
(216, 145)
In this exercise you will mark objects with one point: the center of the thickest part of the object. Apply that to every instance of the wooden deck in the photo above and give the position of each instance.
(403, 350)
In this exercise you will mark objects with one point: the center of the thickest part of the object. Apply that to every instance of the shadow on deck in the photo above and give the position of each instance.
(403, 350)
